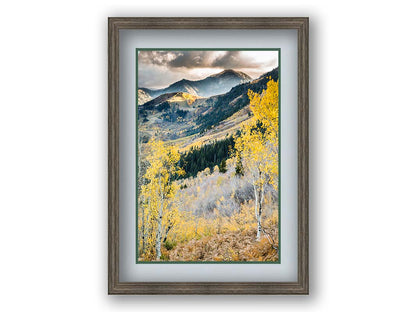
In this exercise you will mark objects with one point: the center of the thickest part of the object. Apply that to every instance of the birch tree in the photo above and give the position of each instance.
(257, 146)
(160, 190)
(140, 199)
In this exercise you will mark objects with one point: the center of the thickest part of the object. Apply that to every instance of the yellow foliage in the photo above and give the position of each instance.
(258, 144)
(159, 212)
(259, 140)
(265, 106)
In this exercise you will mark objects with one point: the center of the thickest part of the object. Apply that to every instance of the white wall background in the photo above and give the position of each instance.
(53, 128)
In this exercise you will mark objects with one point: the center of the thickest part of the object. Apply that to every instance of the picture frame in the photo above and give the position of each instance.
(298, 287)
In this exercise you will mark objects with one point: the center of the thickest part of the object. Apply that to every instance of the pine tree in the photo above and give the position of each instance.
(239, 170)
(223, 166)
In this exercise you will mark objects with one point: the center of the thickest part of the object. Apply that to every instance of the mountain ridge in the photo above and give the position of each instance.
(173, 97)
(211, 85)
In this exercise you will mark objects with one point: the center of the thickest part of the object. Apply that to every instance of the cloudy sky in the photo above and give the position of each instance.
(158, 69)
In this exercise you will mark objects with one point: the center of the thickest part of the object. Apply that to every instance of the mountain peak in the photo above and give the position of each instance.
(229, 70)
(232, 73)
(180, 82)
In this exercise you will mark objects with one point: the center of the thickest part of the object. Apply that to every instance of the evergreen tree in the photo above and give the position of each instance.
(239, 170)
(206, 156)
(223, 166)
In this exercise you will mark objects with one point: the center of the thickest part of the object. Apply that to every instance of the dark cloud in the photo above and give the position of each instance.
(160, 58)
(197, 59)
(192, 59)
(234, 59)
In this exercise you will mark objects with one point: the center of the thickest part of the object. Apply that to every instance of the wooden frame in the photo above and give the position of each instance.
(301, 24)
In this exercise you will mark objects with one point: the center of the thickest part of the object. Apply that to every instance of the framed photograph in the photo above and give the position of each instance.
(208, 156)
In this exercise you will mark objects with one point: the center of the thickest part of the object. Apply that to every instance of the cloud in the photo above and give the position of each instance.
(235, 59)
(160, 58)
(192, 59)
(176, 59)
(199, 59)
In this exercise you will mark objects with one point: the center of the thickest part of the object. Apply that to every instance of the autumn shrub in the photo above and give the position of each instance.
(228, 246)
(169, 245)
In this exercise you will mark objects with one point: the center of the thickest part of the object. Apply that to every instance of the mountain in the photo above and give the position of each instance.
(231, 74)
(181, 114)
(143, 96)
(177, 99)
(209, 86)
(224, 105)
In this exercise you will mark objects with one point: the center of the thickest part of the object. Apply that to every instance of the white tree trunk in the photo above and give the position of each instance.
(159, 224)
(260, 210)
(143, 228)
(258, 215)
(159, 238)
(256, 209)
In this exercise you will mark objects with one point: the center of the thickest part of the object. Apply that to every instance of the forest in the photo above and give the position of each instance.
(207, 156)
(214, 202)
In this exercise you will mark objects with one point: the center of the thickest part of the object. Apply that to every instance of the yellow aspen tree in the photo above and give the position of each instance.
(160, 189)
(257, 145)
(140, 198)
(265, 109)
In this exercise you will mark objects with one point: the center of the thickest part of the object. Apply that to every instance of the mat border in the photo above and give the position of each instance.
(115, 287)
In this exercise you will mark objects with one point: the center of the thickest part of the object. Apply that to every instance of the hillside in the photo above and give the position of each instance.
(225, 105)
(182, 99)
